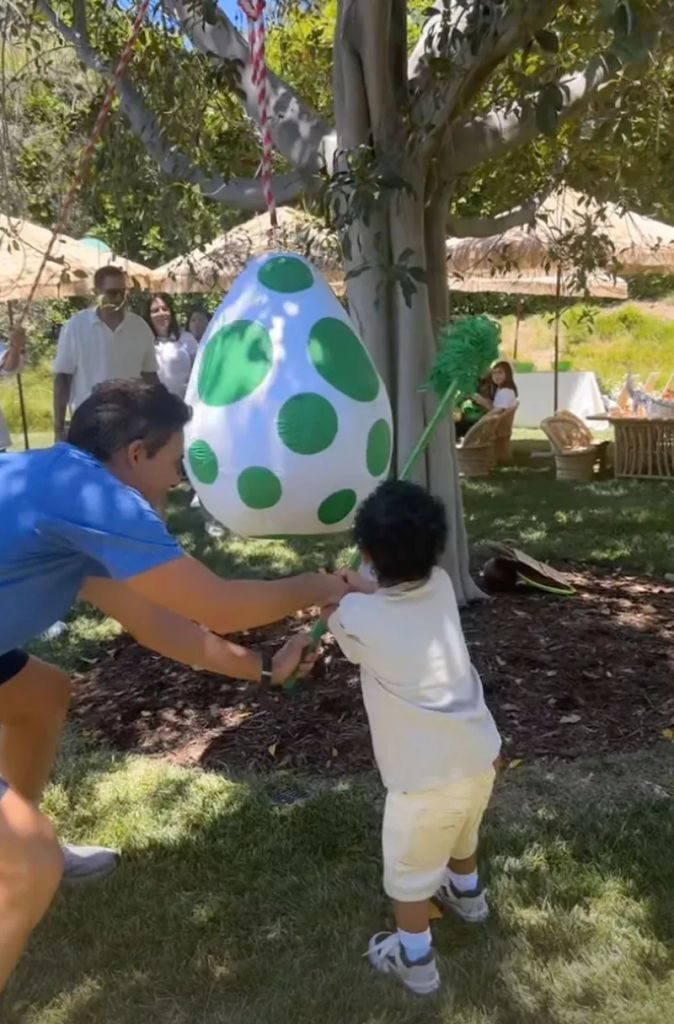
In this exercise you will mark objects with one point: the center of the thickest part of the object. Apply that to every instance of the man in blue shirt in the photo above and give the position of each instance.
(82, 520)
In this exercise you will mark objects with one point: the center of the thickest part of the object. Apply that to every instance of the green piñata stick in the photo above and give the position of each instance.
(320, 626)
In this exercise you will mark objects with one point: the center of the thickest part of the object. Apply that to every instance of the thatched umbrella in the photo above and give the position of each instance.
(632, 243)
(215, 267)
(69, 271)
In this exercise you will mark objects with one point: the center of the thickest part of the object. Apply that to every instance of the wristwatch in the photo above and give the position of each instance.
(267, 668)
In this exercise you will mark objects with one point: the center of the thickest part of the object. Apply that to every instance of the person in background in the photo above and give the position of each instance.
(197, 322)
(11, 359)
(82, 519)
(103, 343)
(175, 351)
(501, 390)
(497, 391)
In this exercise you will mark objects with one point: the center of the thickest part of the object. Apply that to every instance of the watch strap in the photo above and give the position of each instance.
(267, 667)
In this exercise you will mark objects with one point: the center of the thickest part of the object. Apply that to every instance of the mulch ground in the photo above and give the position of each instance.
(564, 677)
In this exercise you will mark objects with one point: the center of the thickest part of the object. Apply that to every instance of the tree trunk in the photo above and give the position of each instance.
(400, 338)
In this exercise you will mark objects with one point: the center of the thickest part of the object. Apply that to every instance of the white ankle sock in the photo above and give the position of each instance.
(417, 945)
(464, 883)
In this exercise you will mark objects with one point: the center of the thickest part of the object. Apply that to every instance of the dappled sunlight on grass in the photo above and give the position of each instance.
(627, 524)
(238, 902)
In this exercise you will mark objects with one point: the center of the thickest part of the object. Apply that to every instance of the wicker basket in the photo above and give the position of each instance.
(645, 448)
(575, 467)
(476, 455)
(573, 447)
(476, 461)
(503, 435)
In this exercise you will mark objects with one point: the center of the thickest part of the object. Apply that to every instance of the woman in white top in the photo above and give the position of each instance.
(175, 351)
(501, 390)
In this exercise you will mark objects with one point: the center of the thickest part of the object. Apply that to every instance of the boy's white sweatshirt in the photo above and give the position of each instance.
(428, 718)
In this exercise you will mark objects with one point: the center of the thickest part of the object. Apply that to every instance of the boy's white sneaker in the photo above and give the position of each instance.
(387, 956)
(469, 906)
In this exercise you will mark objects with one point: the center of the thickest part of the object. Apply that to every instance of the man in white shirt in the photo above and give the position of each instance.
(99, 344)
(434, 739)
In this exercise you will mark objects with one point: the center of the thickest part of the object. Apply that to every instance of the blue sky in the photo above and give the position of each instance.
(230, 6)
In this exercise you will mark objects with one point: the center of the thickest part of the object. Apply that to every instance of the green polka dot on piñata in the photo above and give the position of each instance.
(286, 274)
(235, 362)
(203, 462)
(337, 507)
(379, 448)
(341, 359)
(259, 487)
(307, 424)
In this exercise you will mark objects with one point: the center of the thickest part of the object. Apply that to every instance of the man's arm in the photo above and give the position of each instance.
(62, 386)
(178, 638)
(188, 588)
(11, 362)
(148, 366)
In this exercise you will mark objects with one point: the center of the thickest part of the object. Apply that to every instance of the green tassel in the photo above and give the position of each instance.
(468, 347)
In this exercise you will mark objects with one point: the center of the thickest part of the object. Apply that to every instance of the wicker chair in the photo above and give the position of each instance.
(574, 449)
(582, 436)
(476, 454)
(504, 430)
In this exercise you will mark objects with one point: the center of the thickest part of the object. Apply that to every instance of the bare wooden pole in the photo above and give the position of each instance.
(558, 313)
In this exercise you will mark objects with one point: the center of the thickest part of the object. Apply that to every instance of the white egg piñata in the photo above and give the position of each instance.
(291, 424)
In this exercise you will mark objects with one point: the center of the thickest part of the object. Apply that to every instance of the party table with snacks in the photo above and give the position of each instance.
(643, 447)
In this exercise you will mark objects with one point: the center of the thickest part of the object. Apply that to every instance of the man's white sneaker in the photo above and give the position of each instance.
(469, 906)
(387, 956)
(88, 863)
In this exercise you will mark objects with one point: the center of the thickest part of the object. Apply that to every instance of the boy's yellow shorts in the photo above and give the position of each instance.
(422, 830)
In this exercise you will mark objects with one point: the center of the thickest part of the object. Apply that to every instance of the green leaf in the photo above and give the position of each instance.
(548, 41)
(623, 21)
(549, 105)
(356, 271)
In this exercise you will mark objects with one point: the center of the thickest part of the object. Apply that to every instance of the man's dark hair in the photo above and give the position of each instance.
(119, 412)
(403, 529)
(103, 272)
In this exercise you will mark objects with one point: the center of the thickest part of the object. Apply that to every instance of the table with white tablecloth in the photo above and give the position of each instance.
(578, 393)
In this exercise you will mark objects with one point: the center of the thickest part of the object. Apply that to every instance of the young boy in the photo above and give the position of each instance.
(434, 740)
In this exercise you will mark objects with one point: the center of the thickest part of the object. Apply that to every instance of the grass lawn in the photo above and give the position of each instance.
(247, 903)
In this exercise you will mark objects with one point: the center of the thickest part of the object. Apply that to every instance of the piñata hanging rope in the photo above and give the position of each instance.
(88, 151)
(254, 12)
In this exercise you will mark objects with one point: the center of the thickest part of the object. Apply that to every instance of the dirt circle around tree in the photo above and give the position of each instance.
(564, 677)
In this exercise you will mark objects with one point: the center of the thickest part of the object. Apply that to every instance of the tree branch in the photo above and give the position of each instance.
(477, 38)
(474, 142)
(369, 31)
(299, 134)
(80, 19)
(240, 194)
(485, 227)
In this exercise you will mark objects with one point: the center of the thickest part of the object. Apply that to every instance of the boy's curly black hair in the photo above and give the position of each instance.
(403, 530)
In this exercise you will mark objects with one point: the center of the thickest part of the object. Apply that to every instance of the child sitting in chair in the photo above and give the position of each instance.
(434, 740)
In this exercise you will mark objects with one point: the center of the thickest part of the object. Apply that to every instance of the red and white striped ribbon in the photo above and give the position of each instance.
(254, 11)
